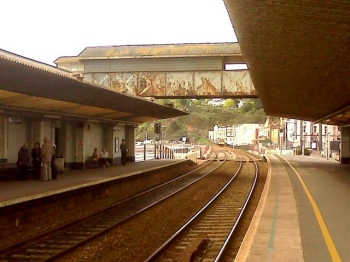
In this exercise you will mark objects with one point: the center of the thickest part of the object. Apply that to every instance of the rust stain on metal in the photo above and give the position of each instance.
(184, 84)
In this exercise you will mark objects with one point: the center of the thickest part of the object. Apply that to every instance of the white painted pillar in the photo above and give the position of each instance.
(80, 146)
(110, 141)
(37, 132)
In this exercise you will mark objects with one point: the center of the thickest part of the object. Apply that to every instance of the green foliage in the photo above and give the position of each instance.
(202, 117)
(174, 127)
(230, 103)
(143, 130)
(203, 141)
(195, 102)
(251, 105)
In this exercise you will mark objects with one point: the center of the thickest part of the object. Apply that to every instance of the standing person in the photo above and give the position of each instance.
(123, 150)
(23, 161)
(36, 160)
(47, 152)
(103, 158)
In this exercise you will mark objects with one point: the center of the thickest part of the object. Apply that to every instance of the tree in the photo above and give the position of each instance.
(229, 103)
(247, 107)
(251, 105)
(173, 127)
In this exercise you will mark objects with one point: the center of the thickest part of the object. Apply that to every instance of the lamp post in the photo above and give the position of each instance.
(280, 134)
(327, 144)
(303, 146)
(258, 135)
(302, 133)
(281, 142)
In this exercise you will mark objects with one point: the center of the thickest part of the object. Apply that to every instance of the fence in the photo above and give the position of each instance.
(166, 151)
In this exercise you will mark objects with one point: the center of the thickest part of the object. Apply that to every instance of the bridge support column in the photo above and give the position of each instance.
(345, 146)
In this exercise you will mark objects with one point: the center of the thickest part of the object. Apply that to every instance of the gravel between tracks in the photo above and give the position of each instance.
(136, 239)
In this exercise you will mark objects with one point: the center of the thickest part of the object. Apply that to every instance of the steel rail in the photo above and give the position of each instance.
(160, 249)
(62, 227)
(94, 225)
(224, 247)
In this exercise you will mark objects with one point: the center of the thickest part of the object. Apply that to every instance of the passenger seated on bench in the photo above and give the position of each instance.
(95, 155)
(103, 158)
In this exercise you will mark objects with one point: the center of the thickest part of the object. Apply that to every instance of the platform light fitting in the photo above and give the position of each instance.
(52, 116)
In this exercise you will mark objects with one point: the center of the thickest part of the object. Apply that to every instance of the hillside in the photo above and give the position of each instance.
(203, 116)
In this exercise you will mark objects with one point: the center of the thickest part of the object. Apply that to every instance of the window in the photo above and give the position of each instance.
(232, 67)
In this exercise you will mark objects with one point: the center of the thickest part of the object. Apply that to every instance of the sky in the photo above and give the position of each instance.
(45, 30)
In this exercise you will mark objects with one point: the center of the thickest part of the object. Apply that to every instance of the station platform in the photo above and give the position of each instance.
(13, 192)
(303, 214)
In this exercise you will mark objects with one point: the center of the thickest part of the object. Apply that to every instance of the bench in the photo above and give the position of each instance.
(9, 171)
(92, 163)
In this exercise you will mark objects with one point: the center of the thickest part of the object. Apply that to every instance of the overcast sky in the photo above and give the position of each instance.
(44, 30)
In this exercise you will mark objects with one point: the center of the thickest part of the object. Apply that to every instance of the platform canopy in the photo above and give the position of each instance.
(298, 55)
(33, 88)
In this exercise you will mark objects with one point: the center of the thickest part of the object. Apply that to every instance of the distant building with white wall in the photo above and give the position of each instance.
(281, 133)
(218, 133)
(246, 134)
(311, 135)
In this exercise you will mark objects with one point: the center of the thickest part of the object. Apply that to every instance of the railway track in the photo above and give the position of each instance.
(206, 236)
(57, 242)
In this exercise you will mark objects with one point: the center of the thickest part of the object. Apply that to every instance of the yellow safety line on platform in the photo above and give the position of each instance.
(327, 237)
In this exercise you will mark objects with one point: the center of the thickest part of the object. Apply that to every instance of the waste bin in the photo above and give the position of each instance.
(58, 164)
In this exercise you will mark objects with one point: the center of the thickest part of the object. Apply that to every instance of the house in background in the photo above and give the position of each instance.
(281, 134)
